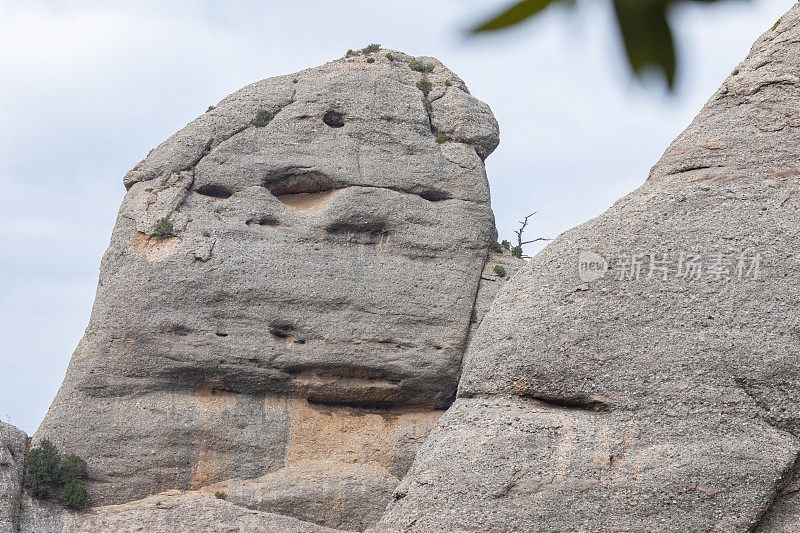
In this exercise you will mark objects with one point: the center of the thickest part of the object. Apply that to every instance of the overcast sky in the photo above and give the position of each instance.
(87, 88)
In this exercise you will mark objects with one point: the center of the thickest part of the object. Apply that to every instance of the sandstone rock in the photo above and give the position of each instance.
(324, 250)
(162, 513)
(640, 393)
(349, 496)
(13, 443)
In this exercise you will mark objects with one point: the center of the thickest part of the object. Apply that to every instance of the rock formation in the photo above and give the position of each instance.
(283, 309)
(642, 373)
(13, 443)
(290, 287)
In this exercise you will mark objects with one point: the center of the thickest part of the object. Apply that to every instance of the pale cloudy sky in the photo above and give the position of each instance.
(88, 87)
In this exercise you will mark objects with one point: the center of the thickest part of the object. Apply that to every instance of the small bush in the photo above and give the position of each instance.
(220, 495)
(73, 468)
(420, 66)
(506, 245)
(263, 117)
(496, 248)
(500, 271)
(370, 60)
(294, 80)
(516, 251)
(74, 495)
(47, 475)
(425, 86)
(42, 469)
(448, 83)
(211, 108)
(371, 48)
(441, 138)
(350, 53)
(776, 24)
(163, 227)
(735, 72)
(390, 57)
(473, 316)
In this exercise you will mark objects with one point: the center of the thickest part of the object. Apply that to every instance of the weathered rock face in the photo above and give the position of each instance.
(323, 250)
(162, 513)
(642, 373)
(12, 464)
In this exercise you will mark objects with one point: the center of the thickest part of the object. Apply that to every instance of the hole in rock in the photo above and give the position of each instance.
(281, 331)
(220, 334)
(263, 221)
(434, 195)
(334, 119)
(302, 190)
(214, 191)
(360, 230)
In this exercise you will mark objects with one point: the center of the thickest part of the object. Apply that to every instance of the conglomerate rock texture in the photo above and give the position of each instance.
(13, 444)
(168, 512)
(287, 295)
(642, 373)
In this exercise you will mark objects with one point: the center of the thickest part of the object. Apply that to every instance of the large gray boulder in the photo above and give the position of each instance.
(323, 251)
(13, 443)
(642, 373)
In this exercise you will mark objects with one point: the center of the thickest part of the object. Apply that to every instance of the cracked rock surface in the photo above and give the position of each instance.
(660, 393)
(320, 265)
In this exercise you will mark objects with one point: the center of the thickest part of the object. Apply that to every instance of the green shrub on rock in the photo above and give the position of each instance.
(263, 117)
(74, 495)
(420, 66)
(47, 475)
(500, 271)
(425, 86)
(370, 49)
(73, 468)
(163, 227)
(220, 495)
(516, 251)
(496, 248)
(42, 469)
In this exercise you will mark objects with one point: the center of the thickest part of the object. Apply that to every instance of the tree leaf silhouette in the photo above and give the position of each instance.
(643, 27)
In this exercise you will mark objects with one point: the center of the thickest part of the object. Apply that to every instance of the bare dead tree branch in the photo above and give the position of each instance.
(521, 230)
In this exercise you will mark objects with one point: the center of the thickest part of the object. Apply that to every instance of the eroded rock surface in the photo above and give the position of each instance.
(13, 443)
(167, 512)
(657, 388)
(320, 265)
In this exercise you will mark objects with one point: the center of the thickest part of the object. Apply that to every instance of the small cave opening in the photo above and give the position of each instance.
(214, 191)
(334, 119)
(306, 189)
(434, 195)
